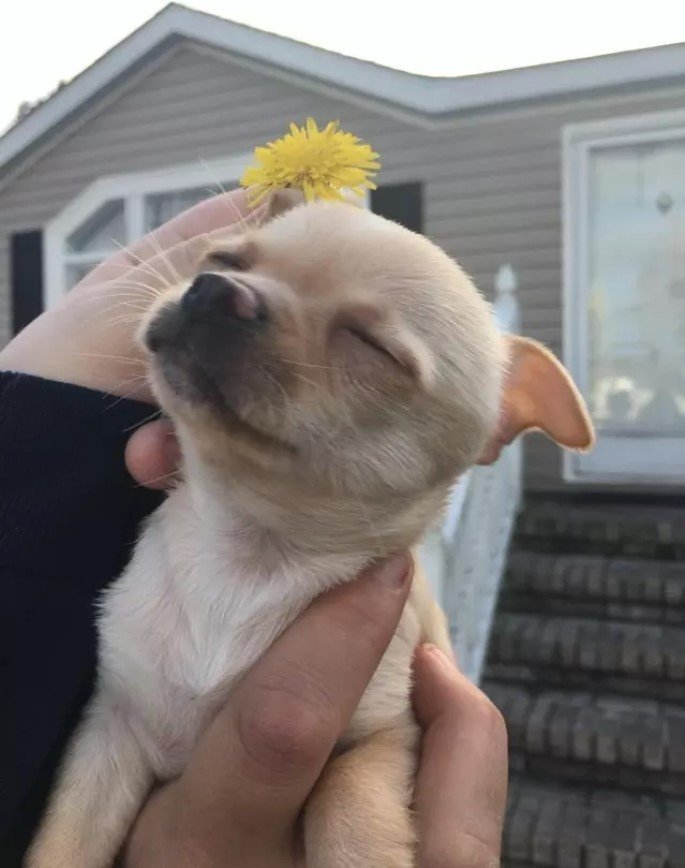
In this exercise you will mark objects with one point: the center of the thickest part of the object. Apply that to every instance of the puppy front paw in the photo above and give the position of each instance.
(331, 842)
(358, 815)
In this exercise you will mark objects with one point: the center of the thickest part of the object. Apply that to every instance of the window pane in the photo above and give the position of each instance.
(103, 231)
(636, 265)
(160, 207)
(78, 272)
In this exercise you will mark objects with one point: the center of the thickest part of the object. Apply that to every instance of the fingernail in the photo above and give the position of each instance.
(445, 661)
(395, 571)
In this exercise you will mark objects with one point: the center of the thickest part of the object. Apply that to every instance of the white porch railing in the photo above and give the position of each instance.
(465, 557)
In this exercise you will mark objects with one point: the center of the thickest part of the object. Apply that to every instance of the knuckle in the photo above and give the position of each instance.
(283, 731)
(372, 625)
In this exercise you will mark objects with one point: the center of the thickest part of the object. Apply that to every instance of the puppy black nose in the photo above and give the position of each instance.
(212, 296)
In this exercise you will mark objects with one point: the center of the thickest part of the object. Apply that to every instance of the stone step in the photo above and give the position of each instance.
(629, 589)
(608, 656)
(599, 740)
(572, 827)
(591, 527)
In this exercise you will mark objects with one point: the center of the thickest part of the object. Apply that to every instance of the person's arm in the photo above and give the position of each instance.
(69, 508)
(69, 513)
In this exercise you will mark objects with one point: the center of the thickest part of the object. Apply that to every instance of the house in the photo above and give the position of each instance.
(572, 174)
(552, 169)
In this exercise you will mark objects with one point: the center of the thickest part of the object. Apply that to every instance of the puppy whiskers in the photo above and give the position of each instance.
(174, 476)
(144, 264)
(156, 415)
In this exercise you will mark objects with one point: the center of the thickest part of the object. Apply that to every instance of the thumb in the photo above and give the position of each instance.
(257, 763)
(152, 454)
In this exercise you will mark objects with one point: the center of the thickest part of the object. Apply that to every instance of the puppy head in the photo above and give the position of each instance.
(332, 352)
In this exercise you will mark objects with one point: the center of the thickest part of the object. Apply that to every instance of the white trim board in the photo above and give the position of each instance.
(132, 188)
(603, 465)
(421, 95)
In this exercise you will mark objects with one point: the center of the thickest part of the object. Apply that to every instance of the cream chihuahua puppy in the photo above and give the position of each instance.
(330, 374)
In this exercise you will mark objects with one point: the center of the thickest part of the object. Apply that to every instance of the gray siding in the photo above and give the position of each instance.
(492, 181)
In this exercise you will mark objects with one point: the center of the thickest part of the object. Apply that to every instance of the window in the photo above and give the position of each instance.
(113, 212)
(98, 235)
(160, 207)
(402, 203)
(624, 302)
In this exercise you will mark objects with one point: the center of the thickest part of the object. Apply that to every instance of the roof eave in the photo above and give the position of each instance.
(426, 97)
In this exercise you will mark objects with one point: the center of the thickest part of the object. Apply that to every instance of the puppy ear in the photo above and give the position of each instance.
(283, 200)
(538, 394)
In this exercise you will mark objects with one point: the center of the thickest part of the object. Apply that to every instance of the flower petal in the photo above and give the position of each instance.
(321, 162)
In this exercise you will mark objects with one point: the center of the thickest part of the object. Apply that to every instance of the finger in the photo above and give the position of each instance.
(146, 277)
(462, 783)
(260, 758)
(98, 323)
(225, 210)
(90, 338)
(152, 454)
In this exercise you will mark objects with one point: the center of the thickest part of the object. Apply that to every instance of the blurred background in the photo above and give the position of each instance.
(542, 145)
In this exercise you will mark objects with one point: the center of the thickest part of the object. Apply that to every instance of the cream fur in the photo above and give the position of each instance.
(331, 454)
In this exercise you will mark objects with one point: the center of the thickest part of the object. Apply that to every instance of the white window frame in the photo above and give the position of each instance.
(132, 189)
(578, 141)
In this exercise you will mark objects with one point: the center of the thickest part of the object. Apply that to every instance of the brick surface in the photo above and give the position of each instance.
(553, 825)
(642, 738)
(607, 742)
(589, 642)
(651, 652)
(624, 838)
(560, 729)
(584, 736)
(675, 659)
(587, 662)
(518, 838)
(653, 843)
(630, 655)
(537, 731)
(598, 838)
(568, 642)
(655, 747)
(571, 839)
(546, 831)
(644, 530)
(675, 758)
(630, 742)
(657, 586)
(675, 845)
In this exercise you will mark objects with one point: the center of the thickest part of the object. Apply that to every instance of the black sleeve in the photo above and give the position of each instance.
(69, 514)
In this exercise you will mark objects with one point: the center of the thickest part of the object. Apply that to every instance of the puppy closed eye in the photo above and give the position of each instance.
(371, 342)
(402, 353)
(231, 260)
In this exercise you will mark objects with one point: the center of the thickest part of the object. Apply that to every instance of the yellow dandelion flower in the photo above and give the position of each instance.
(322, 163)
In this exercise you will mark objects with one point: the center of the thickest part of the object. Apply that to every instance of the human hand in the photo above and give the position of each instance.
(239, 800)
(89, 337)
(461, 789)
(238, 804)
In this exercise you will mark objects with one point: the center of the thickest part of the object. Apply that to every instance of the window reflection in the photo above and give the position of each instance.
(637, 280)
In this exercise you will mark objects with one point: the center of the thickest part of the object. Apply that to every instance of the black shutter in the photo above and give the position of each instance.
(26, 276)
(402, 203)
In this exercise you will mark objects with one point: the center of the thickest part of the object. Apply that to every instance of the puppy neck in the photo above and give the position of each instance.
(273, 527)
